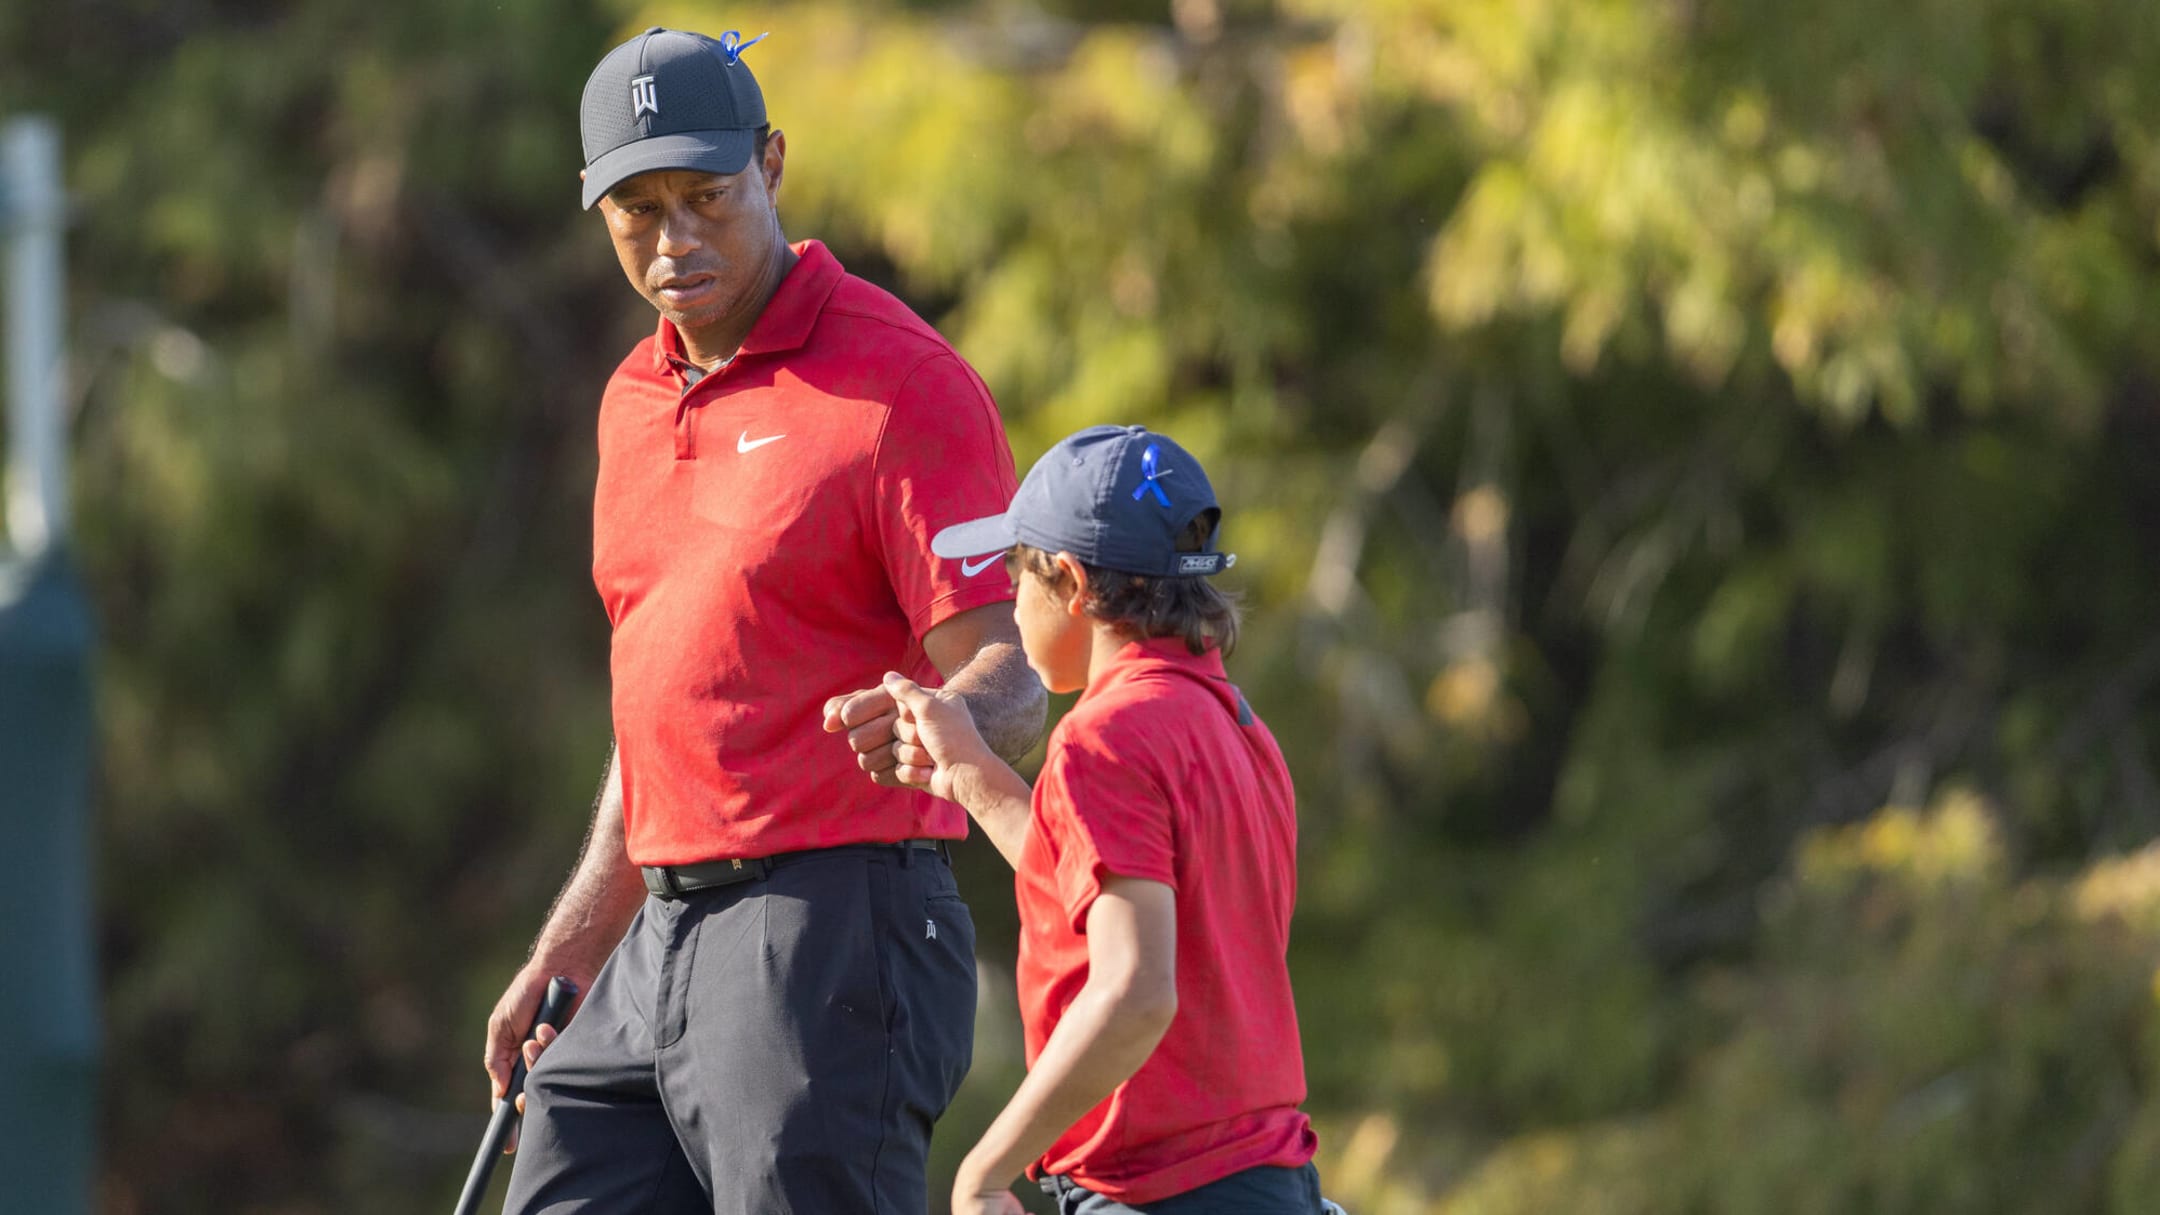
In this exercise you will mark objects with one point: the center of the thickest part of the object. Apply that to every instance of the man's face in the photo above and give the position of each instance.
(700, 246)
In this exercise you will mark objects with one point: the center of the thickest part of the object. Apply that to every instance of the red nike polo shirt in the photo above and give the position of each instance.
(1161, 771)
(761, 541)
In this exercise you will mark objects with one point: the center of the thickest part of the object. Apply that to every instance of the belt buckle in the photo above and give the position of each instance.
(755, 869)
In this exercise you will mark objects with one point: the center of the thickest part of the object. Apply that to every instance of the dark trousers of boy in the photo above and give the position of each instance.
(774, 1046)
(1257, 1191)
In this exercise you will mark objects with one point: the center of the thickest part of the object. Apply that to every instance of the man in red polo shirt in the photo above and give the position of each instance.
(792, 1004)
(1155, 859)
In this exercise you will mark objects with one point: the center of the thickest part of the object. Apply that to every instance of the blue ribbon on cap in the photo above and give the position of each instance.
(1147, 469)
(732, 46)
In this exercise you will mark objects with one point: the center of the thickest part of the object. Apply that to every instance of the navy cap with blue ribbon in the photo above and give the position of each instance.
(1115, 497)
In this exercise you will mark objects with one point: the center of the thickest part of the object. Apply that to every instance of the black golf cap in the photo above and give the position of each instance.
(669, 99)
(1115, 497)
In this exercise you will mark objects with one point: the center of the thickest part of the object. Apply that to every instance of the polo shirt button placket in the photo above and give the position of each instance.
(685, 431)
(686, 413)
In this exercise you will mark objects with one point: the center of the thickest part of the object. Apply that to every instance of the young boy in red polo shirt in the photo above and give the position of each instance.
(1154, 859)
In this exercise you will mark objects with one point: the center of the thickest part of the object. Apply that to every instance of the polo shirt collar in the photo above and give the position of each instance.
(1167, 654)
(789, 315)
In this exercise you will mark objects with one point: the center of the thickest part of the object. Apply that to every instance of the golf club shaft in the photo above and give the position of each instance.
(554, 1009)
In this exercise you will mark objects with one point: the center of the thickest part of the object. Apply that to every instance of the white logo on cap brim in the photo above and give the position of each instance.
(644, 98)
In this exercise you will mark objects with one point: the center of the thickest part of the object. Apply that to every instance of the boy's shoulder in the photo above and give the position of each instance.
(1150, 705)
(1138, 690)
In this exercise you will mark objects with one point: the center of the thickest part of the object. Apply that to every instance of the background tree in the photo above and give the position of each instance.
(1691, 465)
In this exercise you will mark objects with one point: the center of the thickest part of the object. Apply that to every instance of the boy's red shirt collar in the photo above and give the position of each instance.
(1156, 652)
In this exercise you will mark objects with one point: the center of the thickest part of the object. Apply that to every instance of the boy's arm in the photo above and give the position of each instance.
(997, 799)
(937, 747)
(1109, 1030)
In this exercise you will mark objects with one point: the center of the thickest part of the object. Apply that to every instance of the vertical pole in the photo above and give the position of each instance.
(48, 984)
(36, 213)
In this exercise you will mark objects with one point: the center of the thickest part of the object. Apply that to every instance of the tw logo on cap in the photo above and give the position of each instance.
(644, 98)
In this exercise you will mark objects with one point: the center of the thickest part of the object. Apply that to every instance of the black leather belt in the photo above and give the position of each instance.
(675, 881)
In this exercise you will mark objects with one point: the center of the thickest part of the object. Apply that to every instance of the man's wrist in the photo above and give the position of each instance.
(578, 949)
(559, 961)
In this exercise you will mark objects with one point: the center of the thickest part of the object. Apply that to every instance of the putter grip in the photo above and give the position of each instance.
(554, 1009)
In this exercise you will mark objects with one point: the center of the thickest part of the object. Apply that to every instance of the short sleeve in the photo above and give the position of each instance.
(941, 459)
(1104, 816)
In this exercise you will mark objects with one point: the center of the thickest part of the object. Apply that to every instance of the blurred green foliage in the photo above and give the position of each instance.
(1692, 464)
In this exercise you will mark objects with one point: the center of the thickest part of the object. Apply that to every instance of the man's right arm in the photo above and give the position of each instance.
(589, 917)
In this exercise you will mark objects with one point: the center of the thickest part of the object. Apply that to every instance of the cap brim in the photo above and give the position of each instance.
(991, 534)
(722, 152)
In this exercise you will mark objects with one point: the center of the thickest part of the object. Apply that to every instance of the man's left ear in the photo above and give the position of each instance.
(775, 164)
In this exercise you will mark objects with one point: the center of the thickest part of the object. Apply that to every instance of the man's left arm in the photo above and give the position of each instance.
(942, 458)
(978, 653)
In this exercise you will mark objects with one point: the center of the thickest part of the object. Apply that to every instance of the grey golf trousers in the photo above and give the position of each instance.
(775, 1047)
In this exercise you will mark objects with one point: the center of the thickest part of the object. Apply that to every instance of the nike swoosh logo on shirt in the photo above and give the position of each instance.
(968, 569)
(745, 443)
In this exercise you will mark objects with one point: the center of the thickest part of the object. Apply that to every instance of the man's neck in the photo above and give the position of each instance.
(714, 345)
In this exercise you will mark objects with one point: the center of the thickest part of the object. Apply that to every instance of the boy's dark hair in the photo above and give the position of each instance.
(1192, 609)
